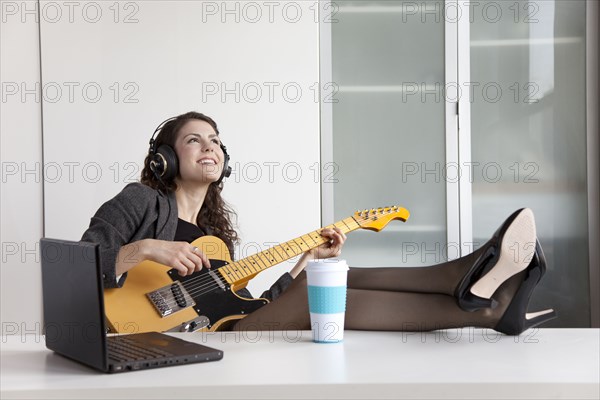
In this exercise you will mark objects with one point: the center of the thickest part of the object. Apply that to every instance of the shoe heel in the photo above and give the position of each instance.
(515, 319)
(531, 321)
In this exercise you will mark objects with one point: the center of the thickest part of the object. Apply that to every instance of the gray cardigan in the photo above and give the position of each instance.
(140, 212)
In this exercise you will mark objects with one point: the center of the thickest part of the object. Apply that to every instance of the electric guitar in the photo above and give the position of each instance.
(156, 298)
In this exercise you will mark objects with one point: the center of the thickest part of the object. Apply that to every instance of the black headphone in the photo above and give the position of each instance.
(164, 163)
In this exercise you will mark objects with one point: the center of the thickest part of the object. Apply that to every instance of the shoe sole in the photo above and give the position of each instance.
(516, 252)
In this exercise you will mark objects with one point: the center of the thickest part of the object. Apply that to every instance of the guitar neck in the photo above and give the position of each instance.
(242, 270)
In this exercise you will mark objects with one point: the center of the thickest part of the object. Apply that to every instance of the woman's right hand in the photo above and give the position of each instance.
(183, 256)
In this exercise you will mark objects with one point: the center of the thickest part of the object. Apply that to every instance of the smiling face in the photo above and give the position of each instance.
(200, 155)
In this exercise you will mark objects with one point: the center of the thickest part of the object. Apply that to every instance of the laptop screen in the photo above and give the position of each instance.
(73, 303)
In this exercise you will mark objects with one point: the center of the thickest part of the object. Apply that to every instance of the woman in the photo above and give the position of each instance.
(179, 199)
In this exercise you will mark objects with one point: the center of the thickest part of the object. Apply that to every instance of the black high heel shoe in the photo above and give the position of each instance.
(515, 319)
(507, 253)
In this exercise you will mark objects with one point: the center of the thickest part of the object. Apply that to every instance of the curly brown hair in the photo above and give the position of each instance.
(215, 213)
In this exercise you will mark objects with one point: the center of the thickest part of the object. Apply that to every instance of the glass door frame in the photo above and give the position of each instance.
(593, 154)
(458, 191)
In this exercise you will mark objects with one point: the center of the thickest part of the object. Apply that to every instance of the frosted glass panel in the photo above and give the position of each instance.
(529, 138)
(388, 127)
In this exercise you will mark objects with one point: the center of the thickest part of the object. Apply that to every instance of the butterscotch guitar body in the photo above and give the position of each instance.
(129, 309)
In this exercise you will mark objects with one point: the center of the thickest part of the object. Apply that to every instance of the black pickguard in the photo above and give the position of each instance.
(220, 303)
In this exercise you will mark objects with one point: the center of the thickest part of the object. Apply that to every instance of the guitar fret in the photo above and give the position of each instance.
(265, 258)
(253, 264)
(296, 248)
(281, 251)
(300, 245)
(258, 260)
(350, 220)
(311, 239)
(250, 267)
(277, 254)
(273, 256)
(269, 258)
(226, 273)
(318, 239)
(287, 247)
(243, 269)
(234, 271)
(341, 226)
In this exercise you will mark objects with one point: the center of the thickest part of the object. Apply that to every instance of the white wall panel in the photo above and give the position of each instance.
(111, 77)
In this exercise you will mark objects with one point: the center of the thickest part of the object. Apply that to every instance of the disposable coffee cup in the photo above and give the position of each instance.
(326, 282)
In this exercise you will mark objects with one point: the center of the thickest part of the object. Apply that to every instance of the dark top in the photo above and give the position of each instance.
(187, 232)
(137, 212)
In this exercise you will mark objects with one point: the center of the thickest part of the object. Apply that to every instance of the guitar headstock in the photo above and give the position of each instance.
(376, 219)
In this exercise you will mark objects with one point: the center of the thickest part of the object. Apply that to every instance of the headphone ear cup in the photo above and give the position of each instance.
(226, 167)
(167, 160)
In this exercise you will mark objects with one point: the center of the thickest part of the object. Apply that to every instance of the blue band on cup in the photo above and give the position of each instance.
(327, 299)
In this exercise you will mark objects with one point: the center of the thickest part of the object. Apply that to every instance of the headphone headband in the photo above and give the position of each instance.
(152, 149)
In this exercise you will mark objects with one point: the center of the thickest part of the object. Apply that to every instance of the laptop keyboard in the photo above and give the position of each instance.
(122, 348)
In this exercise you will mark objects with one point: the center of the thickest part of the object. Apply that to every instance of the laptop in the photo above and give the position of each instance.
(74, 322)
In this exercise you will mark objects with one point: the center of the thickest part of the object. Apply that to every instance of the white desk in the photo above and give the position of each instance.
(467, 363)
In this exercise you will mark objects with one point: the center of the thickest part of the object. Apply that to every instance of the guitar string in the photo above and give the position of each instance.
(203, 281)
(196, 286)
(199, 284)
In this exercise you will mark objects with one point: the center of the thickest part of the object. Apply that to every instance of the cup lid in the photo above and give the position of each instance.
(327, 264)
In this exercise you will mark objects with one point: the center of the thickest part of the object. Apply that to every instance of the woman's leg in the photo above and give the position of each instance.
(409, 311)
(442, 278)
(380, 310)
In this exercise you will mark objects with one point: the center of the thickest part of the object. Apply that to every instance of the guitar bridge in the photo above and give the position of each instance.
(169, 299)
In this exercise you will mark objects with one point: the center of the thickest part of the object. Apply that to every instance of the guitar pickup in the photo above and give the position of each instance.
(169, 299)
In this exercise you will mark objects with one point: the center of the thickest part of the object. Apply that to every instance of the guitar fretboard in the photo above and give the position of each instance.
(249, 266)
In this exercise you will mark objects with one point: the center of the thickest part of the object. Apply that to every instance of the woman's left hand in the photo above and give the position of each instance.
(332, 248)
